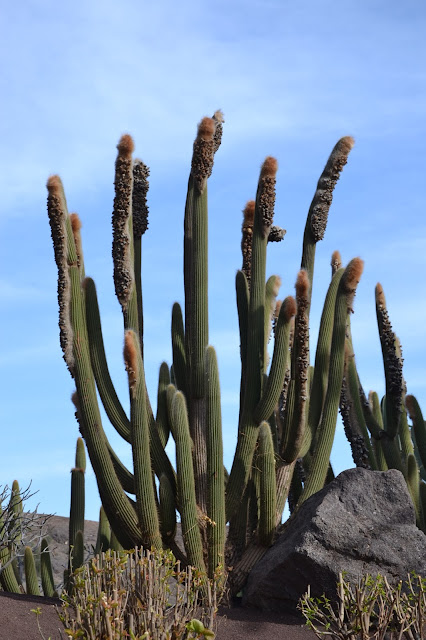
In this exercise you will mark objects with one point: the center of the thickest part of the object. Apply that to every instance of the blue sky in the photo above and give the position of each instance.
(291, 78)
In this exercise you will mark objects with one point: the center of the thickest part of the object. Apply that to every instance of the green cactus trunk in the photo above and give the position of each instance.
(215, 472)
(76, 520)
(327, 426)
(186, 484)
(46, 573)
(31, 580)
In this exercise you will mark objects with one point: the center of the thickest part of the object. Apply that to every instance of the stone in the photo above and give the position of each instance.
(361, 522)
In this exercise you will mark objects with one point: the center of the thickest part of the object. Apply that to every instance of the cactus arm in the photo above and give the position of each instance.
(216, 481)
(113, 497)
(186, 483)
(372, 413)
(196, 291)
(65, 255)
(159, 458)
(422, 488)
(267, 510)
(8, 579)
(125, 288)
(248, 429)
(108, 395)
(170, 394)
(137, 265)
(178, 349)
(296, 489)
(46, 572)
(419, 426)
(115, 544)
(413, 483)
(140, 225)
(77, 553)
(195, 250)
(268, 498)
(103, 539)
(374, 421)
(31, 580)
(322, 356)
(123, 244)
(168, 510)
(320, 462)
(405, 436)
(161, 419)
(243, 295)
(274, 431)
(392, 453)
(124, 274)
(74, 322)
(247, 239)
(359, 424)
(75, 227)
(279, 364)
(145, 497)
(284, 476)
(318, 211)
(76, 520)
(16, 508)
(126, 478)
(196, 309)
(272, 288)
(294, 434)
(392, 360)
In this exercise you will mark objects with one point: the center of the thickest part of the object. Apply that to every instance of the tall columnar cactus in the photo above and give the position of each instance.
(77, 503)
(33, 586)
(76, 520)
(288, 408)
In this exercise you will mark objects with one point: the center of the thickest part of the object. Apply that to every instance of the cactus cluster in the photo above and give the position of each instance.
(378, 431)
(18, 573)
(288, 409)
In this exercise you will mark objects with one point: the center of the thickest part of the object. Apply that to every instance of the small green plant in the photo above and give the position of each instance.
(38, 612)
(139, 594)
(372, 609)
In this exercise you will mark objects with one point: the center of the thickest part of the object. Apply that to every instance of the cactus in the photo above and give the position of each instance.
(31, 579)
(379, 432)
(15, 531)
(76, 520)
(288, 409)
(103, 541)
(46, 572)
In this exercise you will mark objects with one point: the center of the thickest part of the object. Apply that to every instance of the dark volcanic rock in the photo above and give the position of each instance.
(362, 522)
